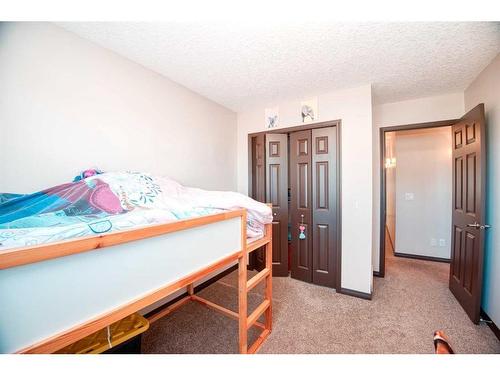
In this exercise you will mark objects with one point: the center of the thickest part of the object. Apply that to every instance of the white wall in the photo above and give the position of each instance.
(67, 104)
(423, 170)
(486, 89)
(390, 188)
(354, 108)
(434, 108)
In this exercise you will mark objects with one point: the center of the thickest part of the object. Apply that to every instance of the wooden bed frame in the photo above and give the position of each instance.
(27, 255)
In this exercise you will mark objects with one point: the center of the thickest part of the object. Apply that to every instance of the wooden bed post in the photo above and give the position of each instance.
(242, 289)
(269, 279)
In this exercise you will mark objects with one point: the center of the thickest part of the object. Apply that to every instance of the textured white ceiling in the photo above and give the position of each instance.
(241, 66)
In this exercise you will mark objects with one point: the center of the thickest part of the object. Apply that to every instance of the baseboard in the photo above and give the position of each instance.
(377, 274)
(355, 293)
(492, 325)
(197, 289)
(422, 257)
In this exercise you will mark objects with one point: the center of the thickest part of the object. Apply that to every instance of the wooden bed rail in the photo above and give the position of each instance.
(27, 255)
(32, 254)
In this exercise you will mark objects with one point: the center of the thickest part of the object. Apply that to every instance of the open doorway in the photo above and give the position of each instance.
(388, 171)
(467, 162)
(418, 193)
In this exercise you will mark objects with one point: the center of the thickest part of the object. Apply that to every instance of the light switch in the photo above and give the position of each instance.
(442, 242)
(433, 242)
(409, 196)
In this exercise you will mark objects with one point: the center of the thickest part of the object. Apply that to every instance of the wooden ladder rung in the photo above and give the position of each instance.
(252, 246)
(258, 312)
(258, 278)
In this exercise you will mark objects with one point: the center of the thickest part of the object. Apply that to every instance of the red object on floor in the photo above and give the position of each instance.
(441, 343)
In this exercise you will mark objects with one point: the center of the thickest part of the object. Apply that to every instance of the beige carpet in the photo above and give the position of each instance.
(408, 305)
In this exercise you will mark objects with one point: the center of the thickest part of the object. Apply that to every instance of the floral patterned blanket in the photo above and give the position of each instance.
(113, 201)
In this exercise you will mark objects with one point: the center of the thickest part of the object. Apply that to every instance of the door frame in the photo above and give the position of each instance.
(382, 131)
(317, 125)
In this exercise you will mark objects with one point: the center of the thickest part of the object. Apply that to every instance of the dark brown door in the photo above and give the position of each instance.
(300, 204)
(258, 189)
(258, 168)
(468, 226)
(277, 195)
(324, 206)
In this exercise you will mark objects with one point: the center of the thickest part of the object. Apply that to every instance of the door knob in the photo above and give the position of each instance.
(475, 225)
(479, 226)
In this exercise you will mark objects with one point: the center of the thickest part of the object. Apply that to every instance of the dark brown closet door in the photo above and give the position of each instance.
(277, 195)
(300, 204)
(258, 187)
(468, 210)
(324, 206)
(258, 168)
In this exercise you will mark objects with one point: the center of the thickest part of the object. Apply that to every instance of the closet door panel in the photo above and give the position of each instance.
(258, 168)
(300, 204)
(277, 195)
(324, 206)
(258, 189)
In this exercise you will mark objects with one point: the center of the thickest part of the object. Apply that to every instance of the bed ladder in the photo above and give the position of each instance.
(245, 321)
(244, 286)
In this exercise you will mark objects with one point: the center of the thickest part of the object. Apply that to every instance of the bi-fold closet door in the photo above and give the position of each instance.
(277, 195)
(313, 205)
(306, 163)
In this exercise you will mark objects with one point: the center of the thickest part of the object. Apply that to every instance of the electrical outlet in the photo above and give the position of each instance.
(442, 242)
(433, 242)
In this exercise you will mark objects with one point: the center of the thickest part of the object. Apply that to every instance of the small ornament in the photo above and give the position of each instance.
(302, 235)
(302, 228)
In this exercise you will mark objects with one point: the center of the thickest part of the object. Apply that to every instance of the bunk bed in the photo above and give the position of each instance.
(55, 294)
(63, 289)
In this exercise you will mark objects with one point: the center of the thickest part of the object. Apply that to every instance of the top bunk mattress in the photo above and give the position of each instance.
(115, 201)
